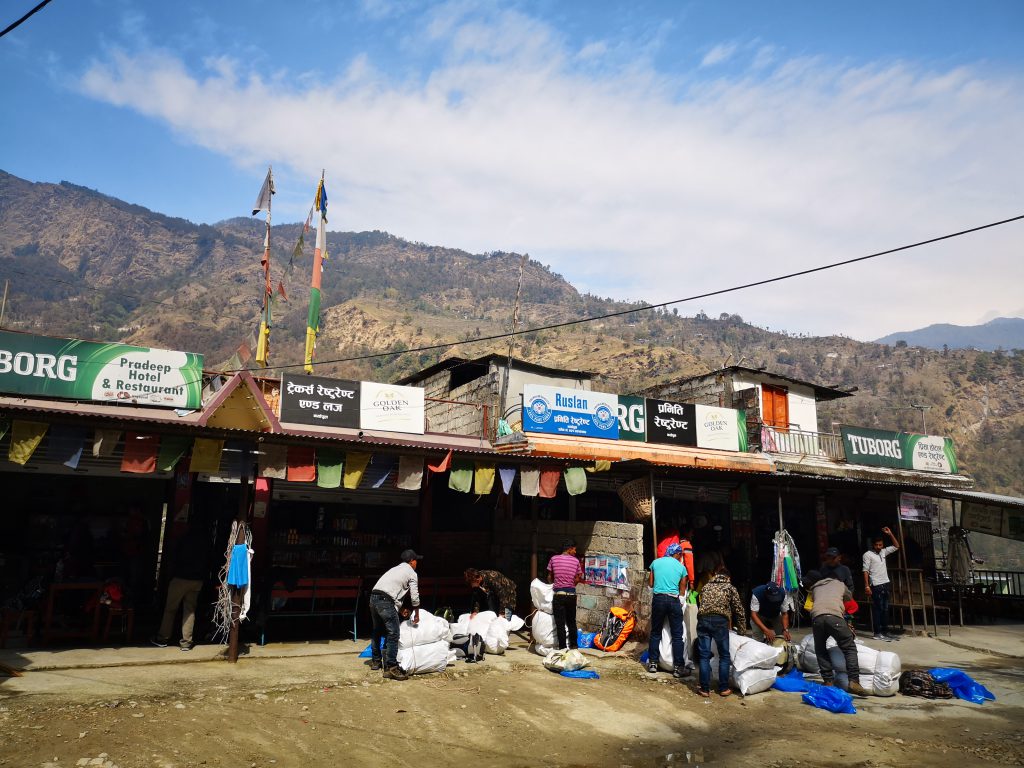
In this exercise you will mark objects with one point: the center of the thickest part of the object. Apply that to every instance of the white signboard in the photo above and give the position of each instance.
(563, 411)
(717, 428)
(391, 408)
(929, 454)
(913, 506)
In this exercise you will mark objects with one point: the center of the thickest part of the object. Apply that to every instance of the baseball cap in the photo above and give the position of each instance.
(773, 592)
(831, 552)
(409, 555)
(673, 549)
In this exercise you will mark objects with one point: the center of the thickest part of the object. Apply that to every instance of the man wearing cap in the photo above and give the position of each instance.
(668, 580)
(385, 603)
(833, 568)
(770, 605)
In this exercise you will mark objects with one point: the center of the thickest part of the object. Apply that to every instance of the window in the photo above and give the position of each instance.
(774, 406)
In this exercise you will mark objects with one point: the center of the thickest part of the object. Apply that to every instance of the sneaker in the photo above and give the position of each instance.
(188, 647)
(856, 688)
(158, 642)
(376, 664)
(878, 637)
(680, 672)
(652, 667)
(892, 638)
(395, 673)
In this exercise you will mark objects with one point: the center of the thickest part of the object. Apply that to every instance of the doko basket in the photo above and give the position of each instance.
(636, 495)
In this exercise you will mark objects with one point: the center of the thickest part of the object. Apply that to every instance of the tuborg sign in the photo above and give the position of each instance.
(70, 369)
(902, 450)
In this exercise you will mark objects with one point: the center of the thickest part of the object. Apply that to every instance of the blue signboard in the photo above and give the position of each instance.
(560, 411)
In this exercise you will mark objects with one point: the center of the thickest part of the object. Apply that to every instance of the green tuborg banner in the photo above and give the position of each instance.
(69, 369)
(903, 450)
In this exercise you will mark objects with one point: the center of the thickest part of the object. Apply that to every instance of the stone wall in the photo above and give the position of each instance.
(512, 547)
(465, 417)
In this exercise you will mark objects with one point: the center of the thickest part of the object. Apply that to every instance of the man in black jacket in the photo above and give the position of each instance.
(190, 564)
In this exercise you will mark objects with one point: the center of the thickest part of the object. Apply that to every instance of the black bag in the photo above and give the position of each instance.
(917, 682)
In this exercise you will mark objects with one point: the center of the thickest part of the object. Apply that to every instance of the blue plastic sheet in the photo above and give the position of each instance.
(963, 685)
(793, 682)
(580, 674)
(368, 650)
(644, 657)
(585, 639)
(831, 698)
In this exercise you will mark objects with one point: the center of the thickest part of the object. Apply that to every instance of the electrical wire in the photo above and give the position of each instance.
(645, 307)
(23, 19)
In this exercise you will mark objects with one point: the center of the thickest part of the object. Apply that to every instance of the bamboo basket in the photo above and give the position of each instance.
(636, 495)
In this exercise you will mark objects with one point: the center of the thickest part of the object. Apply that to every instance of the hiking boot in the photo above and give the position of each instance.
(395, 673)
(680, 672)
(652, 667)
(857, 689)
(376, 664)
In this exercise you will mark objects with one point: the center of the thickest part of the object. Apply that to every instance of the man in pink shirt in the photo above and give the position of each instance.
(564, 572)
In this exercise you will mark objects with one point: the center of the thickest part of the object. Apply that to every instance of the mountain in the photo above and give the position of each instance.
(86, 265)
(1001, 333)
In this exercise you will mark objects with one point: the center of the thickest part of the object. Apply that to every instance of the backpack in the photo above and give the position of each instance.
(917, 682)
(616, 630)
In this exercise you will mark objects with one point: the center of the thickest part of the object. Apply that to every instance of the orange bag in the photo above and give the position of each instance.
(617, 629)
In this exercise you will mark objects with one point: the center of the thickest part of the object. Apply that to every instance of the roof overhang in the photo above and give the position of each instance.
(807, 466)
(91, 410)
(239, 404)
(431, 442)
(596, 449)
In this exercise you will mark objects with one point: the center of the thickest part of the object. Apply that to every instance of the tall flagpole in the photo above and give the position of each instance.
(313, 318)
(263, 341)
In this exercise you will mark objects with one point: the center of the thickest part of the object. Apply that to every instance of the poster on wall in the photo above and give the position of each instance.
(562, 411)
(606, 571)
(901, 450)
(923, 509)
(319, 401)
(71, 369)
(391, 408)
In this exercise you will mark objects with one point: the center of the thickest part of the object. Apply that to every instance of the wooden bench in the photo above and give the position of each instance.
(316, 597)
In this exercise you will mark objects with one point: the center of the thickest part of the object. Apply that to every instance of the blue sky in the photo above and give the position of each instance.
(644, 150)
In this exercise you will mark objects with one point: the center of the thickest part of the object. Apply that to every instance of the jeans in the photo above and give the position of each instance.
(183, 592)
(713, 627)
(563, 607)
(836, 627)
(662, 607)
(385, 623)
(880, 608)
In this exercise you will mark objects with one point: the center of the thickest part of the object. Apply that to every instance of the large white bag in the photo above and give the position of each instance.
(423, 659)
(806, 659)
(479, 624)
(666, 656)
(565, 660)
(496, 638)
(747, 653)
(542, 594)
(754, 680)
(543, 630)
(886, 678)
(430, 629)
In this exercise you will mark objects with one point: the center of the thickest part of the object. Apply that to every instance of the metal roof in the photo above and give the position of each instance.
(817, 467)
(821, 392)
(990, 499)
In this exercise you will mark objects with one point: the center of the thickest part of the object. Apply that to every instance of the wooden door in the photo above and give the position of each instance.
(775, 406)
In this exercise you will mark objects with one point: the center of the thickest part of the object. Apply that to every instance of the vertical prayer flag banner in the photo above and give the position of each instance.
(391, 408)
(902, 450)
(71, 369)
(563, 411)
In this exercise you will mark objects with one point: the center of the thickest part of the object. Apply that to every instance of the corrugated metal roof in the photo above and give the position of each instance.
(813, 467)
(99, 410)
(990, 499)
(430, 441)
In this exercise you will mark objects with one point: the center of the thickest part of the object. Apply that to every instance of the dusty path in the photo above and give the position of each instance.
(331, 711)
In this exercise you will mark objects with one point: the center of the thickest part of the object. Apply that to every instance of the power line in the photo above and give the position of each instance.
(25, 18)
(646, 307)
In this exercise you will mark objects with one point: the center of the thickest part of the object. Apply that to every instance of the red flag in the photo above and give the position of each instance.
(280, 289)
(443, 466)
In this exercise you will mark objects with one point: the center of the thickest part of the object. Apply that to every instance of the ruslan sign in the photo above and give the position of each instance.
(319, 401)
(902, 450)
(561, 411)
(70, 369)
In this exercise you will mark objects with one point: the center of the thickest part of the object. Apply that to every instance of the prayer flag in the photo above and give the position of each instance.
(461, 476)
(380, 469)
(301, 464)
(104, 441)
(172, 448)
(549, 477)
(355, 466)
(328, 467)
(529, 482)
(410, 473)
(575, 480)
(263, 199)
(508, 476)
(206, 455)
(139, 453)
(443, 465)
(266, 320)
(5, 424)
(599, 466)
(483, 478)
(66, 444)
(25, 438)
(273, 461)
(319, 253)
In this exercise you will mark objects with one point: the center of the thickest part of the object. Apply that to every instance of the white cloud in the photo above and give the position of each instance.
(719, 54)
(639, 184)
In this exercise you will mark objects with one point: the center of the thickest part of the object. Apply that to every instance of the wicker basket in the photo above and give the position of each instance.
(636, 495)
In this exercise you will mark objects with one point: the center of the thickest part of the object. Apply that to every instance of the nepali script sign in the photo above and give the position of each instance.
(687, 424)
(902, 450)
(563, 411)
(319, 401)
(71, 369)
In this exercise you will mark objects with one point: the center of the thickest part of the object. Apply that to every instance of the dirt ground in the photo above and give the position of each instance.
(508, 711)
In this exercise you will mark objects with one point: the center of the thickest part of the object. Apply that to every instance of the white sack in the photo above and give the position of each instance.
(496, 639)
(747, 653)
(565, 660)
(479, 624)
(430, 629)
(543, 630)
(423, 659)
(666, 660)
(886, 678)
(515, 623)
(754, 680)
(542, 594)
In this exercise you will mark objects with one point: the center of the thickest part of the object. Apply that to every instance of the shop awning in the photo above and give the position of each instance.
(537, 445)
(821, 467)
(990, 513)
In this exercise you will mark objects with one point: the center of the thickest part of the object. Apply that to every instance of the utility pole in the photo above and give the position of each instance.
(922, 409)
